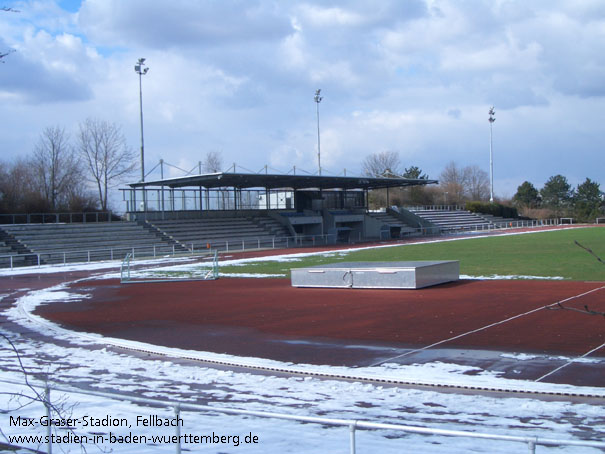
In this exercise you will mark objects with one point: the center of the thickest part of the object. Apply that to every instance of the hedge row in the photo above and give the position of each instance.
(495, 209)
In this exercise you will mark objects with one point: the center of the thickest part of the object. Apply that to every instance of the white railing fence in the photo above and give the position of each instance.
(235, 245)
(60, 218)
(352, 425)
(161, 250)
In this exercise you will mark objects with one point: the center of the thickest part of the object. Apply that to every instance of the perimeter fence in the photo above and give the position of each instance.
(164, 250)
(241, 244)
(496, 225)
(352, 426)
(60, 218)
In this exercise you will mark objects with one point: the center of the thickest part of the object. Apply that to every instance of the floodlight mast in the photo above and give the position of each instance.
(318, 99)
(491, 120)
(140, 70)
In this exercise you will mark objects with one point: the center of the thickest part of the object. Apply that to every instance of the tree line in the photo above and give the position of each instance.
(558, 198)
(457, 185)
(461, 185)
(64, 173)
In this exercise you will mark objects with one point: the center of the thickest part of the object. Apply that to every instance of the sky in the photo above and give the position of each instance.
(238, 77)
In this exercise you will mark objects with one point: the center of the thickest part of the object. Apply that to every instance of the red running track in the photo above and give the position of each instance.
(263, 317)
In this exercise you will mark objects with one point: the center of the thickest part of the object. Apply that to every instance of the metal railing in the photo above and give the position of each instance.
(352, 425)
(235, 245)
(491, 226)
(435, 208)
(160, 250)
(126, 277)
(59, 218)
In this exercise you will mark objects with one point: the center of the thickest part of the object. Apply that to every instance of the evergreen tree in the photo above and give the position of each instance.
(556, 193)
(587, 201)
(527, 195)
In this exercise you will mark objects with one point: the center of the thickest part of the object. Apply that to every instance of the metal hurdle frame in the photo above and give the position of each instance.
(126, 277)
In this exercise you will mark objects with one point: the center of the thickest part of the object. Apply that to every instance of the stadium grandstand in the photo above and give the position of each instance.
(222, 205)
(227, 211)
(219, 211)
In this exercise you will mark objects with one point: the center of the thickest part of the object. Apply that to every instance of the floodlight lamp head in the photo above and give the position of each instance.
(318, 98)
(139, 67)
(492, 112)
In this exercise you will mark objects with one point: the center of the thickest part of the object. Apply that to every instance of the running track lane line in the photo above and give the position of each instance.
(570, 362)
(411, 352)
(294, 371)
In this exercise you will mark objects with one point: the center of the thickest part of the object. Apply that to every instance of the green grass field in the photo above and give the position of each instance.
(546, 254)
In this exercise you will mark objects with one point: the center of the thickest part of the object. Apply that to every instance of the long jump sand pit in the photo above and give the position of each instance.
(268, 318)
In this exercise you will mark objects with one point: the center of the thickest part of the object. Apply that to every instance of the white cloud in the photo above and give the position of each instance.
(501, 56)
(329, 17)
(180, 23)
(47, 68)
(238, 77)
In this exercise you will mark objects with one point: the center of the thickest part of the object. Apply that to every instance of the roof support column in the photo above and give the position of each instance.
(267, 204)
(162, 187)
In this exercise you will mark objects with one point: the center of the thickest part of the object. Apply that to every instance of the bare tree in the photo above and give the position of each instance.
(56, 167)
(108, 160)
(453, 183)
(10, 51)
(460, 184)
(59, 408)
(382, 164)
(5, 54)
(18, 189)
(477, 181)
(213, 162)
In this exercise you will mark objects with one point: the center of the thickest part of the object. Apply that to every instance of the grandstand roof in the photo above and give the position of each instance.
(274, 181)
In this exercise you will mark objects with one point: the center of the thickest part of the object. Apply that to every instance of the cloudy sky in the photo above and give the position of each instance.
(238, 77)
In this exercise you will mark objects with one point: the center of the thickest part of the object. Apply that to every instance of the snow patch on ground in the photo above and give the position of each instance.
(428, 373)
(527, 357)
(89, 361)
(511, 277)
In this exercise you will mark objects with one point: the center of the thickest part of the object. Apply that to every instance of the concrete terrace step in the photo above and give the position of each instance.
(71, 238)
(221, 229)
(95, 247)
(221, 236)
(85, 237)
(388, 219)
(205, 221)
(101, 226)
(452, 219)
(200, 228)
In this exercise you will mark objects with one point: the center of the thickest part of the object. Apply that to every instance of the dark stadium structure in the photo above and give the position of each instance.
(295, 205)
